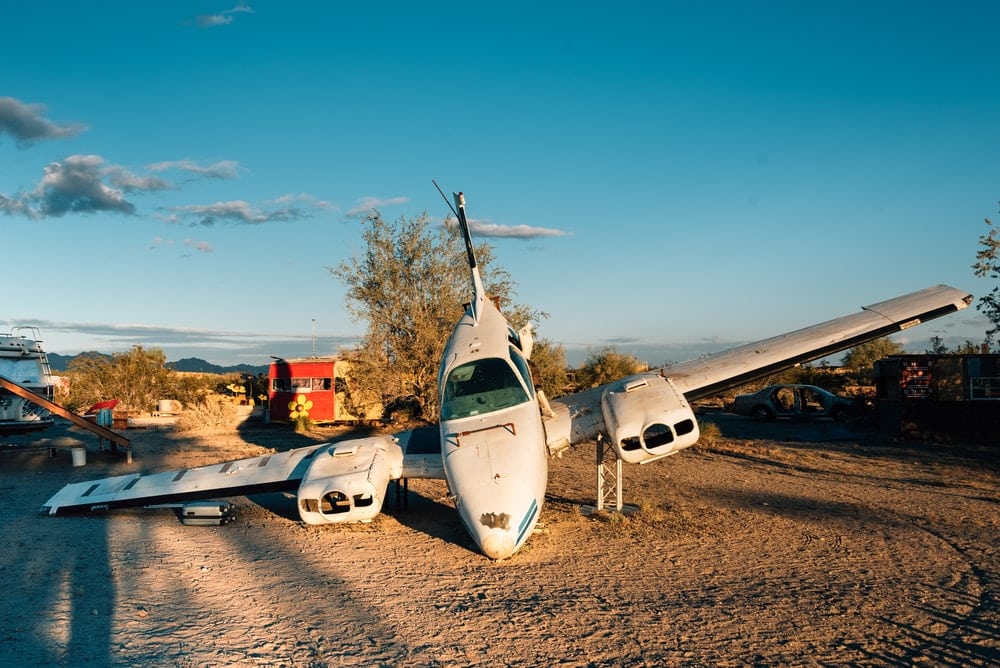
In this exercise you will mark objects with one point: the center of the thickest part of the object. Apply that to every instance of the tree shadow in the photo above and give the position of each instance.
(69, 583)
(971, 640)
(818, 430)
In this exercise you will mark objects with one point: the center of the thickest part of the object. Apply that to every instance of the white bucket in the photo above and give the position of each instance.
(79, 456)
(168, 406)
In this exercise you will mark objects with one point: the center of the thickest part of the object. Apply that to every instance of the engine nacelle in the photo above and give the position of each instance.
(347, 482)
(647, 418)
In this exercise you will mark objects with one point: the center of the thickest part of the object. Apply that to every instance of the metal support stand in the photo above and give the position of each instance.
(604, 473)
(609, 499)
(402, 486)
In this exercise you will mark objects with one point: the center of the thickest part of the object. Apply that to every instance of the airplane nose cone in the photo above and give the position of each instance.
(498, 544)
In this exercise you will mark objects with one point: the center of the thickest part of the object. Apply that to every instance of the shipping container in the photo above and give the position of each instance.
(948, 398)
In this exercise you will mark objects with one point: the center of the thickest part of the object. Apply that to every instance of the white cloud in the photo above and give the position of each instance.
(17, 206)
(178, 342)
(26, 124)
(281, 209)
(224, 17)
(484, 228)
(74, 185)
(235, 210)
(201, 246)
(366, 204)
(81, 184)
(302, 198)
(129, 182)
(224, 169)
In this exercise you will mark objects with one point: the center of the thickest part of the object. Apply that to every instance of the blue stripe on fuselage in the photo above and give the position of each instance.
(526, 520)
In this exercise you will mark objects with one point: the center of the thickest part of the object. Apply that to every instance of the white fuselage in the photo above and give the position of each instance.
(492, 441)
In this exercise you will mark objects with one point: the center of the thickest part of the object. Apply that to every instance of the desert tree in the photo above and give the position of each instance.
(937, 346)
(988, 266)
(409, 284)
(968, 347)
(861, 358)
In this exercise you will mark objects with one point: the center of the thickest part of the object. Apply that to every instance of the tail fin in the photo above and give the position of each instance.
(478, 293)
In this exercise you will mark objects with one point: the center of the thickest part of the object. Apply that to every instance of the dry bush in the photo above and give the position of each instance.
(639, 523)
(608, 365)
(211, 413)
(303, 425)
(709, 432)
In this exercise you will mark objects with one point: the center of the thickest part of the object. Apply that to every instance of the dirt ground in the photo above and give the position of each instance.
(772, 544)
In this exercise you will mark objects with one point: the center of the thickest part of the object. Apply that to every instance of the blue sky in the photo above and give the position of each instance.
(669, 178)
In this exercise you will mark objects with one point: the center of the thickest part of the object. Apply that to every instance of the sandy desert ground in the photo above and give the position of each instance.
(774, 544)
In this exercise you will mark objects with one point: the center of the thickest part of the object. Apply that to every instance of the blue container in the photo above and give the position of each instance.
(105, 417)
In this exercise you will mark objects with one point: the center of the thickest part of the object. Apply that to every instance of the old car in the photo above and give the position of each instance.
(792, 401)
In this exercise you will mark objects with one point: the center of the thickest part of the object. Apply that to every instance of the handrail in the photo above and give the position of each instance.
(508, 426)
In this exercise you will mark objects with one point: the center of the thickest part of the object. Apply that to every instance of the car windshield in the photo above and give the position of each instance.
(482, 386)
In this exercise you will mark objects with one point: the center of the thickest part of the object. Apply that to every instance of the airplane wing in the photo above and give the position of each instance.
(328, 475)
(648, 416)
(266, 473)
(713, 373)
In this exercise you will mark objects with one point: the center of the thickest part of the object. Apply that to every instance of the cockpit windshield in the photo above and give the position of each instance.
(479, 387)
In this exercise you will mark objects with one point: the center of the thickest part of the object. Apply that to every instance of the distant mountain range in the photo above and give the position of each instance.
(201, 366)
(61, 362)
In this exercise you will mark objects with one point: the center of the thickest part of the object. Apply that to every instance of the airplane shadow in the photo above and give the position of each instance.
(282, 504)
(424, 510)
(418, 510)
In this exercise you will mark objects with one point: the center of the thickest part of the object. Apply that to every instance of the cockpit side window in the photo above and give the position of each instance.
(514, 337)
(523, 369)
(482, 386)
